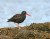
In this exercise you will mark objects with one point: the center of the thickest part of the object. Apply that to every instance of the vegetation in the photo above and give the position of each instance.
(34, 31)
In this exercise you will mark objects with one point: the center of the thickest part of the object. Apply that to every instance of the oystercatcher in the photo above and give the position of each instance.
(19, 18)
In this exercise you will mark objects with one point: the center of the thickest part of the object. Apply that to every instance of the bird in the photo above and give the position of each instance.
(18, 18)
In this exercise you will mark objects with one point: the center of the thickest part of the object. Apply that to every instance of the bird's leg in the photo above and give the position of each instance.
(18, 25)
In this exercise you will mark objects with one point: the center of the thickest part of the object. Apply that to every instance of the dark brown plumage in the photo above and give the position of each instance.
(18, 18)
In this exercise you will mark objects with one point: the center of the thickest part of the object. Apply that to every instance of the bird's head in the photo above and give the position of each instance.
(25, 13)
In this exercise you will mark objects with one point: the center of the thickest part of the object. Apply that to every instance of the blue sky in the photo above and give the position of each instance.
(39, 10)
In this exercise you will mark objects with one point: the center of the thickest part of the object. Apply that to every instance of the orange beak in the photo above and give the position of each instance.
(28, 14)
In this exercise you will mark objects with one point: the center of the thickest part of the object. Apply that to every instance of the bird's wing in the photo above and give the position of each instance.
(17, 16)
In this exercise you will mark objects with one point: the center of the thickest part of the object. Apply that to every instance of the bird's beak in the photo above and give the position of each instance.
(28, 14)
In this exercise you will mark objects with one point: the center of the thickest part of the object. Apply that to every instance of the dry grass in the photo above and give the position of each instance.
(34, 31)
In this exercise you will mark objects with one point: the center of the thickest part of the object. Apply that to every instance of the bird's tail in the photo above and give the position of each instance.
(8, 20)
